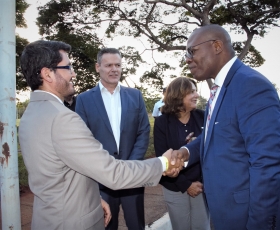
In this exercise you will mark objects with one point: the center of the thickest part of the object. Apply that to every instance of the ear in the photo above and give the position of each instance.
(97, 66)
(46, 74)
(218, 46)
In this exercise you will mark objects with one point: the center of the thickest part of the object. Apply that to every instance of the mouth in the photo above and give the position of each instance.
(114, 75)
(72, 81)
(191, 68)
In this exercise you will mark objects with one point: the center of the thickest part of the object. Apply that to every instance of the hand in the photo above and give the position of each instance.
(182, 154)
(190, 137)
(195, 189)
(175, 164)
(107, 212)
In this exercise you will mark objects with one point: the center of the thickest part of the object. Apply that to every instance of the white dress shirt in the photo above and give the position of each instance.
(219, 80)
(157, 106)
(112, 102)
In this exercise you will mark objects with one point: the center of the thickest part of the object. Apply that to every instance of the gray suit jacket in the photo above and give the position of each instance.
(61, 157)
(134, 126)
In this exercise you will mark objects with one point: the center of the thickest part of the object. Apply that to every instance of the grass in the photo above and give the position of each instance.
(23, 175)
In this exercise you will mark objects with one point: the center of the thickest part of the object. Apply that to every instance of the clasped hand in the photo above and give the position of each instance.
(176, 159)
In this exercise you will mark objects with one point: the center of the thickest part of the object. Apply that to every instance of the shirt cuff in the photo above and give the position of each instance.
(186, 162)
(163, 164)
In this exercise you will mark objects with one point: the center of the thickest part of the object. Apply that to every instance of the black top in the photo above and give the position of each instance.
(169, 132)
(72, 106)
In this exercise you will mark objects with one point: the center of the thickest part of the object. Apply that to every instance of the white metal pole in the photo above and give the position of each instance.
(10, 202)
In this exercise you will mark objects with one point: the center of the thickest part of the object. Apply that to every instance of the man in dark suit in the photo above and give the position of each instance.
(117, 117)
(239, 148)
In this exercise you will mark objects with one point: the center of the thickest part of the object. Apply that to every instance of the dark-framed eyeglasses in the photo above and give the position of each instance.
(69, 67)
(190, 52)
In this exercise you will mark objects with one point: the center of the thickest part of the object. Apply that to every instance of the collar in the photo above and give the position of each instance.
(220, 78)
(38, 90)
(117, 89)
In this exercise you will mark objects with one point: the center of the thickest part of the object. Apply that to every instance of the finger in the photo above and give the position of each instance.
(107, 219)
(174, 157)
(188, 138)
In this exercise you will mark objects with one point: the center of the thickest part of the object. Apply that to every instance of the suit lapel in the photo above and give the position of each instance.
(220, 98)
(213, 118)
(99, 104)
(124, 105)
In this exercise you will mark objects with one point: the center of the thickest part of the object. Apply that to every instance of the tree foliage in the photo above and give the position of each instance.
(21, 7)
(164, 24)
(21, 106)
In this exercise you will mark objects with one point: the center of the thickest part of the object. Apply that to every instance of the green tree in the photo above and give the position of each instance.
(202, 102)
(164, 24)
(21, 7)
(21, 106)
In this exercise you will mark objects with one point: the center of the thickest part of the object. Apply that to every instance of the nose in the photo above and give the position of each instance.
(73, 73)
(114, 68)
(188, 60)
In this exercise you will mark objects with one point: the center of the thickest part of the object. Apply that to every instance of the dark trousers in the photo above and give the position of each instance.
(132, 201)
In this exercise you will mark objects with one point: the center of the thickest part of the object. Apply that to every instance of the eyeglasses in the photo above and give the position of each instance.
(69, 67)
(190, 52)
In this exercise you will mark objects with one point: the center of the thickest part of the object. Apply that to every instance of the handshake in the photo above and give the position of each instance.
(176, 159)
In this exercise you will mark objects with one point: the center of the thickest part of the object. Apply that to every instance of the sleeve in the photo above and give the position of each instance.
(143, 132)
(182, 183)
(79, 109)
(259, 124)
(155, 110)
(194, 150)
(80, 151)
(160, 137)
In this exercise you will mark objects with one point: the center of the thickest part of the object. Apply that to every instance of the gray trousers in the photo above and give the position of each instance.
(185, 212)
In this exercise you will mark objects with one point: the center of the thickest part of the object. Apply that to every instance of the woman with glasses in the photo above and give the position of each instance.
(180, 123)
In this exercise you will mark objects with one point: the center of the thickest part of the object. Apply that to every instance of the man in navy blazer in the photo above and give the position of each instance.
(117, 117)
(240, 149)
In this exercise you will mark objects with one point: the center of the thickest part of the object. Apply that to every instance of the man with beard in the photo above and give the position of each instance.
(64, 161)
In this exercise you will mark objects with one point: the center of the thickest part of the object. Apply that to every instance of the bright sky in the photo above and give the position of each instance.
(268, 47)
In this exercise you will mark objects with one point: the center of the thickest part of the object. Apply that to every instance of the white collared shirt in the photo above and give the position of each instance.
(112, 103)
(219, 81)
(38, 90)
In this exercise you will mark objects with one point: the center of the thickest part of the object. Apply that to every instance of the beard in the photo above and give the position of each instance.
(64, 87)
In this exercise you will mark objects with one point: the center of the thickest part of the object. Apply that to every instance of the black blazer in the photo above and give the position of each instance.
(166, 137)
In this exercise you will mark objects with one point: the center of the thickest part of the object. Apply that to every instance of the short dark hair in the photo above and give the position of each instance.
(40, 54)
(107, 51)
(175, 93)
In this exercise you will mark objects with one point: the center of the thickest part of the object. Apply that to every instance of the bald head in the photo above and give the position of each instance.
(214, 32)
(209, 48)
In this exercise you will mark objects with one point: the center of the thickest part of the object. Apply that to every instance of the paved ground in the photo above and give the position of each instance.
(154, 208)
